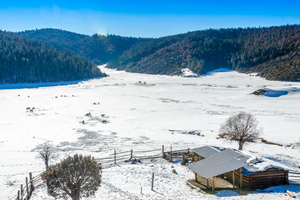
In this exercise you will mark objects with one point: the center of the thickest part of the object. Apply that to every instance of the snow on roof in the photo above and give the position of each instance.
(220, 160)
(256, 164)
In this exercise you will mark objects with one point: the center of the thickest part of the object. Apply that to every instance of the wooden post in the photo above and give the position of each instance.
(131, 154)
(213, 184)
(290, 194)
(171, 154)
(27, 185)
(152, 182)
(241, 178)
(163, 151)
(18, 197)
(233, 180)
(22, 191)
(207, 183)
(141, 190)
(31, 184)
(196, 177)
(30, 176)
(115, 156)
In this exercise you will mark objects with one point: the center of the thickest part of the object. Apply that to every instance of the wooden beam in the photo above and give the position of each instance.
(213, 184)
(290, 194)
(207, 183)
(115, 156)
(22, 191)
(233, 180)
(241, 180)
(152, 182)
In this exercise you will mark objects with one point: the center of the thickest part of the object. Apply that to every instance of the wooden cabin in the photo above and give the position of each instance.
(258, 180)
(237, 168)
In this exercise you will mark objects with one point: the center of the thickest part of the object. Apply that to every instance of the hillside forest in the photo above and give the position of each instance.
(271, 52)
(26, 61)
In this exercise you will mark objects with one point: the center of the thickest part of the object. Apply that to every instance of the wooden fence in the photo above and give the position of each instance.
(25, 191)
(132, 155)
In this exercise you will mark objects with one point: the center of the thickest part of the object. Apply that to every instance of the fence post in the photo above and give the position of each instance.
(131, 154)
(163, 151)
(171, 154)
(152, 182)
(115, 156)
(18, 195)
(31, 184)
(27, 185)
(22, 191)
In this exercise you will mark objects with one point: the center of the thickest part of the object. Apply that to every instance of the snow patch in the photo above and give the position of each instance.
(186, 72)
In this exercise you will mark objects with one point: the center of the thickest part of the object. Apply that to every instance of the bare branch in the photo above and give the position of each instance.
(241, 127)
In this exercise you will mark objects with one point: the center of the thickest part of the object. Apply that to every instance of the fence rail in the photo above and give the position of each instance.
(32, 183)
(25, 191)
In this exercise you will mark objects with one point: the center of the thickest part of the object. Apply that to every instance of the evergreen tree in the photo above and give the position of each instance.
(75, 177)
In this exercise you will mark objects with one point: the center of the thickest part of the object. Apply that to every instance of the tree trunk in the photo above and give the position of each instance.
(241, 144)
(75, 194)
(75, 197)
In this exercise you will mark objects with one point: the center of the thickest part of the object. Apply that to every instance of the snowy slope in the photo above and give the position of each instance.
(139, 116)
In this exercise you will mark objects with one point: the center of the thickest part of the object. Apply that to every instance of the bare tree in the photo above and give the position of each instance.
(46, 154)
(241, 127)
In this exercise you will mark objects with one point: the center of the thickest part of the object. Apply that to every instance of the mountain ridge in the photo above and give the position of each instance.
(272, 52)
(26, 61)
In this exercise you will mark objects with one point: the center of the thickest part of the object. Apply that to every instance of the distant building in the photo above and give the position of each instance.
(237, 168)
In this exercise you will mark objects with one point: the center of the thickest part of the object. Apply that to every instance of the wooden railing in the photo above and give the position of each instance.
(26, 190)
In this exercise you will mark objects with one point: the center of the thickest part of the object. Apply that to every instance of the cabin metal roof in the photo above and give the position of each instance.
(207, 151)
(220, 163)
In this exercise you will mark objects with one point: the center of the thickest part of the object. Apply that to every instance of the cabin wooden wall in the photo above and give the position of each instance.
(197, 157)
(267, 178)
(237, 177)
(259, 180)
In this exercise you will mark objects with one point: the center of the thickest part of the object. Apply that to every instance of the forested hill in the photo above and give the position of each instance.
(25, 61)
(97, 48)
(272, 52)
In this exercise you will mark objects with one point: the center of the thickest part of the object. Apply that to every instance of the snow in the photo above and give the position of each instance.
(186, 72)
(140, 117)
(262, 164)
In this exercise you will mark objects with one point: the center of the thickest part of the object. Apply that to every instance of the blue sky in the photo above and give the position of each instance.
(145, 18)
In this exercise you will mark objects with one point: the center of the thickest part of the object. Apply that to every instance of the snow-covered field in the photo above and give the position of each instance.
(140, 111)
